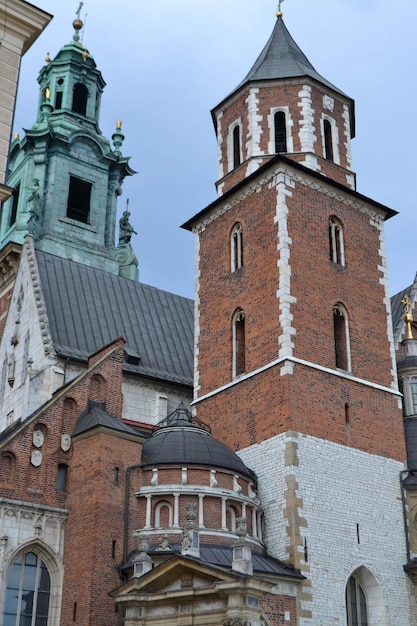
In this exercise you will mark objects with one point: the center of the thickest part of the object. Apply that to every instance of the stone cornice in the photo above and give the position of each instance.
(24, 21)
(269, 174)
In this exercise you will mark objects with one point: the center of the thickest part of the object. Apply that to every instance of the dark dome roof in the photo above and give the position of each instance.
(179, 440)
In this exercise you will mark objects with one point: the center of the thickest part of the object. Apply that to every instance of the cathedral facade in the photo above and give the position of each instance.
(238, 460)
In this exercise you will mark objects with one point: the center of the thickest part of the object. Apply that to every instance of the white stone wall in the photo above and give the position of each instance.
(26, 350)
(149, 402)
(350, 515)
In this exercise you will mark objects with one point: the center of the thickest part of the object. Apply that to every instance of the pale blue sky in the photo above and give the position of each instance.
(167, 63)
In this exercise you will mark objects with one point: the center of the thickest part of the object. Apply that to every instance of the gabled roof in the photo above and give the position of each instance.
(88, 308)
(282, 58)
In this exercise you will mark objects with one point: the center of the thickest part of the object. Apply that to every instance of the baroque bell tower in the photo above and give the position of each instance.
(65, 174)
(295, 365)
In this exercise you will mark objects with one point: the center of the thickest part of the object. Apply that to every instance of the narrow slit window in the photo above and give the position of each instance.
(236, 243)
(61, 484)
(15, 203)
(280, 132)
(328, 140)
(58, 100)
(239, 344)
(341, 338)
(79, 196)
(336, 243)
(236, 146)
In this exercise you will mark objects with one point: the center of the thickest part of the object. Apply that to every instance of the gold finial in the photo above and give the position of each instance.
(47, 93)
(279, 12)
(119, 124)
(78, 23)
(47, 58)
(85, 55)
(15, 136)
(408, 317)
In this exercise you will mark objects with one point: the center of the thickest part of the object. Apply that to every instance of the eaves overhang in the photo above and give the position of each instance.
(271, 164)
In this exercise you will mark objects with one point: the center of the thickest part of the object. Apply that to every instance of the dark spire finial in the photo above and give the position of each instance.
(279, 12)
(77, 23)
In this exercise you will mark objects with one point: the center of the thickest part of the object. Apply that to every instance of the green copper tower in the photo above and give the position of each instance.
(65, 174)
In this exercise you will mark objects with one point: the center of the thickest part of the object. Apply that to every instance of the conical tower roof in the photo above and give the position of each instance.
(282, 58)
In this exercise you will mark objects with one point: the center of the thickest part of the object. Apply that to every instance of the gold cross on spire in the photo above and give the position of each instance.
(408, 317)
(279, 12)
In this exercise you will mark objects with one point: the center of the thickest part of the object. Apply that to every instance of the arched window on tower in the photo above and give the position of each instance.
(239, 347)
(79, 99)
(341, 337)
(236, 146)
(328, 140)
(280, 129)
(28, 587)
(236, 244)
(336, 244)
(356, 607)
(414, 394)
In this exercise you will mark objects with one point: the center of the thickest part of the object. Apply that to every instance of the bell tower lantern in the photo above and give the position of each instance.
(284, 106)
(65, 174)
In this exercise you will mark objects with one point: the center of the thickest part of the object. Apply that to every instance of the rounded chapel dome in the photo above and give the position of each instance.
(181, 439)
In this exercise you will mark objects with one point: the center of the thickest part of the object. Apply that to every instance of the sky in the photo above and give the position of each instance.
(167, 63)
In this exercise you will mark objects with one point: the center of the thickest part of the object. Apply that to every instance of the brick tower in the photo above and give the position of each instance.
(294, 360)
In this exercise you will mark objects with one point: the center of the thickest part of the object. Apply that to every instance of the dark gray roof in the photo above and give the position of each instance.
(282, 58)
(183, 441)
(89, 308)
(95, 415)
(222, 556)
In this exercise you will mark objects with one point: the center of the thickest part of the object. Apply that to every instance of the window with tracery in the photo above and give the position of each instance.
(356, 606)
(336, 243)
(28, 587)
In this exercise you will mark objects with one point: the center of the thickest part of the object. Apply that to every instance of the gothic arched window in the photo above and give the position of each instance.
(336, 244)
(28, 587)
(236, 244)
(328, 140)
(236, 146)
(239, 347)
(341, 337)
(280, 129)
(356, 608)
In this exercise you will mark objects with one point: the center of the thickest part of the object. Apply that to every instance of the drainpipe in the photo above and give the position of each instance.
(126, 514)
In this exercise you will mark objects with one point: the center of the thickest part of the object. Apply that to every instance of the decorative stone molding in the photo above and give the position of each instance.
(37, 291)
